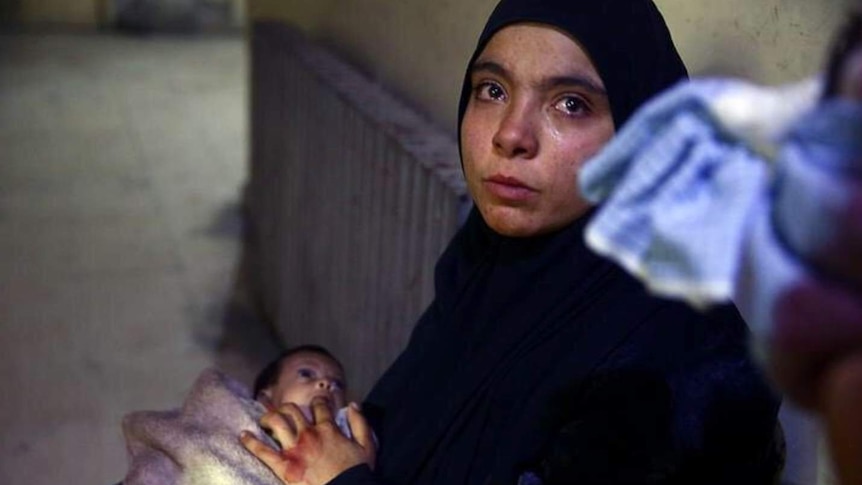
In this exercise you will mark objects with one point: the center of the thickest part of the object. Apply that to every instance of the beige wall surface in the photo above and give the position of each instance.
(419, 48)
(74, 12)
(416, 47)
(771, 41)
(91, 13)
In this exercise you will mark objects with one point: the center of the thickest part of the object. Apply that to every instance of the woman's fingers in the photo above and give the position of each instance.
(294, 416)
(815, 325)
(362, 433)
(313, 453)
(285, 424)
(270, 457)
(279, 428)
(841, 258)
(321, 411)
(818, 319)
(840, 402)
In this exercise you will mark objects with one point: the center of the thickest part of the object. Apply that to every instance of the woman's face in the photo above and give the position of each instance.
(537, 111)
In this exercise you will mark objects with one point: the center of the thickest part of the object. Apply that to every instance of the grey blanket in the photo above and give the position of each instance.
(198, 444)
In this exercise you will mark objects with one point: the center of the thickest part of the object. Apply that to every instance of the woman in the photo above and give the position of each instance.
(538, 361)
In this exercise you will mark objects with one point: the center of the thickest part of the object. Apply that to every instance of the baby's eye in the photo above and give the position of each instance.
(572, 106)
(490, 91)
(338, 384)
(305, 373)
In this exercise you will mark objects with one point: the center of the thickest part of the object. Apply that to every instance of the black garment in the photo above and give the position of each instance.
(627, 41)
(600, 384)
(537, 355)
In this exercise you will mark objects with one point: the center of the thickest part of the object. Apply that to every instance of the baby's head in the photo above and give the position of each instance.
(299, 375)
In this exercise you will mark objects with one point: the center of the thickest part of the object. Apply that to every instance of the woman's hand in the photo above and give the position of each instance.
(313, 453)
(816, 352)
(817, 326)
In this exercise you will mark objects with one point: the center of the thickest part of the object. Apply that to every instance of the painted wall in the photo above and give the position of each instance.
(419, 48)
(771, 41)
(70, 12)
(92, 13)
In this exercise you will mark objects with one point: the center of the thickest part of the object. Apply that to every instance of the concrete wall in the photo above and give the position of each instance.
(419, 48)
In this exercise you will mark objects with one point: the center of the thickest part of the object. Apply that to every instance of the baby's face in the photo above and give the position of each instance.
(303, 377)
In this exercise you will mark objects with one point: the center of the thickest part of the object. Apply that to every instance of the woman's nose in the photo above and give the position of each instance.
(516, 135)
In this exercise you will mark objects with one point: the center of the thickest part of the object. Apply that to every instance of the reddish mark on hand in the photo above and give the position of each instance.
(295, 462)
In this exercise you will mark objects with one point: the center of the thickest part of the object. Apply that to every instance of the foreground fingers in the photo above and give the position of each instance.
(273, 459)
(815, 325)
(839, 403)
(818, 319)
(321, 410)
(841, 258)
(295, 416)
(285, 425)
(279, 428)
(362, 433)
(313, 453)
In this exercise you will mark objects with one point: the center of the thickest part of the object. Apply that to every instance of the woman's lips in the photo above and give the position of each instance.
(508, 188)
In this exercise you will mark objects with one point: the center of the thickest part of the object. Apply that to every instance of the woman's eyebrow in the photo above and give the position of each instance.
(489, 66)
(573, 80)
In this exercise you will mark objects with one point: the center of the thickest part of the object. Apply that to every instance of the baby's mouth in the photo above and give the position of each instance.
(306, 411)
(309, 413)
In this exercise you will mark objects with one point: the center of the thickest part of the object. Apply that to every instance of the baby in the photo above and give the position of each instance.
(198, 443)
(299, 375)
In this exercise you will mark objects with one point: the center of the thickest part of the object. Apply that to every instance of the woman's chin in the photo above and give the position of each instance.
(520, 222)
(509, 221)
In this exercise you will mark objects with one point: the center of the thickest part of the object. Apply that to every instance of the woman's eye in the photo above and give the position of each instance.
(490, 91)
(572, 105)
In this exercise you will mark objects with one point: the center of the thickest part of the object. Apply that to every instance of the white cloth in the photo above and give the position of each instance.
(717, 190)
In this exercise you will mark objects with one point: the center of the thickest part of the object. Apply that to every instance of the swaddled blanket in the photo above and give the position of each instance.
(198, 444)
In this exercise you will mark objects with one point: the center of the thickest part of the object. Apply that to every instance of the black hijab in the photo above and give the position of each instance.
(517, 321)
(627, 41)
